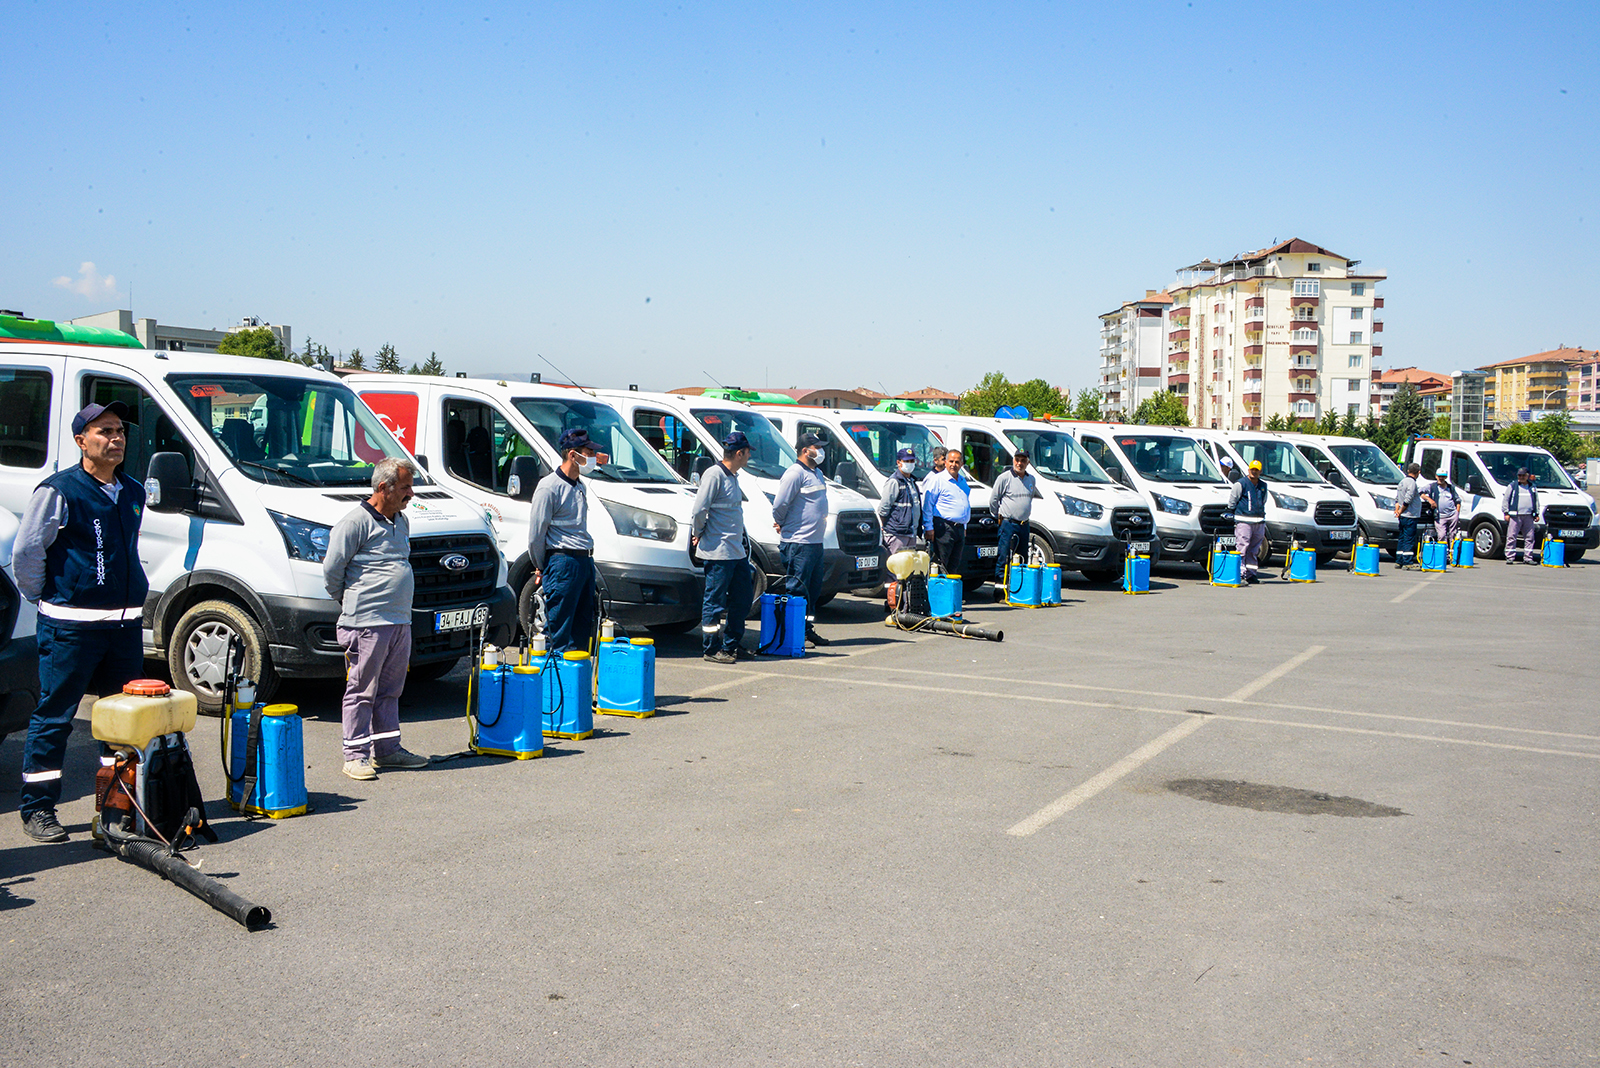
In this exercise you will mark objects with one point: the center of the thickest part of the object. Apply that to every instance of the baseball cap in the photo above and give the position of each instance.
(808, 441)
(1255, 465)
(1227, 462)
(906, 454)
(736, 441)
(575, 439)
(95, 411)
(1441, 473)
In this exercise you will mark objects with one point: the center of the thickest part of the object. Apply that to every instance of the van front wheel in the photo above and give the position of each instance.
(197, 654)
(1487, 541)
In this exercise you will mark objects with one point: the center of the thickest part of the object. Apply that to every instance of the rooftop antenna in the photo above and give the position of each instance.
(564, 374)
(708, 375)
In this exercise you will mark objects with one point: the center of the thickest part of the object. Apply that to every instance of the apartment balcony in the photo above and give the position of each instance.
(1293, 396)
(1302, 372)
(1179, 313)
(1377, 326)
(1377, 302)
(1302, 348)
(1181, 379)
(1178, 335)
(1181, 356)
(1377, 350)
(1250, 397)
(1253, 350)
(1251, 422)
(1255, 302)
(1178, 389)
(1252, 374)
(1304, 302)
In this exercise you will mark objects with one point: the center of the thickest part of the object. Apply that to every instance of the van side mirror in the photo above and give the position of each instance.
(523, 476)
(422, 461)
(168, 485)
(1116, 472)
(847, 474)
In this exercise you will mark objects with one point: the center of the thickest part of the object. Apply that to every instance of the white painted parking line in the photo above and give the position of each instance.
(1250, 688)
(1415, 589)
(1079, 794)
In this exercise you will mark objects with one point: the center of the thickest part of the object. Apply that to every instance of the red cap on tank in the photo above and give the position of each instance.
(147, 688)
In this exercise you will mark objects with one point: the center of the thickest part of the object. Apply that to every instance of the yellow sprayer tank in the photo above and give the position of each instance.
(145, 709)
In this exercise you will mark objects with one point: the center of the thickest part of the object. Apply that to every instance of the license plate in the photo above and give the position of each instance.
(1140, 547)
(1339, 535)
(988, 550)
(459, 619)
(1569, 533)
(866, 563)
(1226, 543)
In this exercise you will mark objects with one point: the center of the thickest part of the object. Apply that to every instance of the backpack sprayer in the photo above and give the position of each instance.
(911, 612)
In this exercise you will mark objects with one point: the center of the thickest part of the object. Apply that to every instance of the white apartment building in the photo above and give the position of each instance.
(1133, 353)
(1287, 330)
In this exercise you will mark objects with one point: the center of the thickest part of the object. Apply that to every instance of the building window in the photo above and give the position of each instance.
(1355, 337)
(1353, 408)
(1358, 289)
(1305, 336)
(1313, 266)
(1355, 385)
(1307, 287)
(1302, 385)
(1357, 313)
(1355, 359)
(1302, 407)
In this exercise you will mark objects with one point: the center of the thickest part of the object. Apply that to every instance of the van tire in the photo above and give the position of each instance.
(758, 586)
(525, 608)
(678, 627)
(1488, 540)
(432, 672)
(198, 650)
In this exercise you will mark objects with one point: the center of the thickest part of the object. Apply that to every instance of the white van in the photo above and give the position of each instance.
(1186, 492)
(861, 457)
(1301, 505)
(687, 432)
(19, 649)
(1083, 520)
(1365, 473)
(238, 519)
(472, 431)
(1484, 470)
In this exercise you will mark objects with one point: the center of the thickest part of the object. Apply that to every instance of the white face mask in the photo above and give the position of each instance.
(587, 463)
(907, 466)
(817, 455)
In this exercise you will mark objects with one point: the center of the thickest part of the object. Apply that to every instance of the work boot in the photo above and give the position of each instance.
(43, 826)
(815, 639)
(360, 768)
(400, 758)
(721, 656)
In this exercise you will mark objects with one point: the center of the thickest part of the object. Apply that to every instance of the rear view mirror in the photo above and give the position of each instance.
(524, 475)
(168, 485)
(422, 461)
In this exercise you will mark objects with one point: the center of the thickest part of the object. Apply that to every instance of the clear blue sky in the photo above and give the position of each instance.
(794, 194)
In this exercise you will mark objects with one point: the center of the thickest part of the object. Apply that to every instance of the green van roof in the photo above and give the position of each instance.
(21, 329)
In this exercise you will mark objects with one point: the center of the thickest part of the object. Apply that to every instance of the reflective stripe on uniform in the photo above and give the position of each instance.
(365, 738)
(40, 776)
(89, 615)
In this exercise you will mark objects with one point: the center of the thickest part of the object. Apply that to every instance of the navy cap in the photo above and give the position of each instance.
(575, 439)
(95, 411)
(810, 440)
(736, 441)
(906, 454)
(1521, 471)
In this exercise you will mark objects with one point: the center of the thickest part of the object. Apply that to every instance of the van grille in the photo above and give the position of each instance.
(1335, 514)
(852, 538)
(1131, 522)
(1212, 521)
(1566, 515)
(983, 529)
(437, 587)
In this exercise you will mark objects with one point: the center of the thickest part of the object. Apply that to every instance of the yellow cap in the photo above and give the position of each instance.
(576, 654)
(642, 641)
(281, 710)
(527, 669)
(1255, 465)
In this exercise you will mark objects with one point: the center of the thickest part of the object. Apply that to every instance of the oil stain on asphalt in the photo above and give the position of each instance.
(1260, 797)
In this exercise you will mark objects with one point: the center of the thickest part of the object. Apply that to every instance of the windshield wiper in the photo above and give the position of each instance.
(278, 471)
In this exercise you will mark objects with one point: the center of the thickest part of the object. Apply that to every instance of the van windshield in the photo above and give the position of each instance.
(1547, 474)
(881, 441)
(1280, 461)
(1057, 456)
(1368, 463)
(770, 455)
(632, 459)
(289, 431)
(1167, 458)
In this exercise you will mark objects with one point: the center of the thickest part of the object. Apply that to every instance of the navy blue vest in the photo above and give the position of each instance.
(900, 519)
(1252, 499)
(94, 561)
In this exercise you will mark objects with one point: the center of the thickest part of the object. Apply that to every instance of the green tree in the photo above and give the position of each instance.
(355, 361)
(1087, 406)
(1349, 425)
(1404, 417)
(1328, 424)
(1275, 421)
(1368, 429)
(1440, 427)
(257, 341)
(389, 360)
(315, 355)
(1162, 409)
(988, 396)
(1552, 432)
(434, 366)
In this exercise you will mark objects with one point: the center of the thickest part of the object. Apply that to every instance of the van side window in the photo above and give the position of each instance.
(24, 417)
(978, 453)
(155, 431)
(673, 440)
(480, 443)
(1464, 473)
(1324, 466)
(833, 453)
(1429, 462)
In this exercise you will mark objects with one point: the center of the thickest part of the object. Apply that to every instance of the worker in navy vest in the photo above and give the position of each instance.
(77, 555)
(1248, 499)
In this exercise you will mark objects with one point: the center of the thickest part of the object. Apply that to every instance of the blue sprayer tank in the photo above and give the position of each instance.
(280, 786)
(509, 710)
(1024, 586)
(944, 595)
(569, 696)
(1136, 574)
(1302, 565)
(1364, 560)
(1464, 550)
(783, 625)
(626, 683)
(1226, 569)
(1555, 552)
(1050, 589)
(1435, 556)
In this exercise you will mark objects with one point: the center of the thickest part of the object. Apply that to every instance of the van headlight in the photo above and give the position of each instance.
(1171, 504)
(634, 522)
(1382, 502)
(304, 539)
(1293, 504)
(1079, 507)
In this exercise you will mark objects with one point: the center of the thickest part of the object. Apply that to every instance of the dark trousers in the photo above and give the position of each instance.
(568, 585)
(802, 564)
(728, 589)
(72, 661)
(949, 544)
(1405, 551)
(1011, 530)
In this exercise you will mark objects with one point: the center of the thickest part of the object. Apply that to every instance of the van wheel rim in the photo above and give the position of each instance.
(205, 657)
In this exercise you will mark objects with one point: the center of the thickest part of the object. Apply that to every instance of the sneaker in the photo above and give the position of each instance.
(400, 758)
(815, 639)
(43, 826)
(360, 769)
(721, 656)
(1250, 580)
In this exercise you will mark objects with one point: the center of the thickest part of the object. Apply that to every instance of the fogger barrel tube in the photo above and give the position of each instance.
(913, 621)
(153, 855)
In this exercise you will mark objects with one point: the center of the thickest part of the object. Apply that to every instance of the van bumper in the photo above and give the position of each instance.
(306, 641)
(1311, 536)
(839, 571)
(1095, 552)
(1183, 546)
(648, 596)
(19, 683)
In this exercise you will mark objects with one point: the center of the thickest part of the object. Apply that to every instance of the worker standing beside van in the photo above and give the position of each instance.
(1012, 501)
(1520, 506)
(1408, 509)
(800, 514)
(1446, 503)
(561, 548)
(716, 529)
(900, 513)
(1248, 502)
(77, 555)
(367, 570)
(946, 507)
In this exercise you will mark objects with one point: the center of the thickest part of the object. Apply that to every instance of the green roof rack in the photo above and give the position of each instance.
(21, 329)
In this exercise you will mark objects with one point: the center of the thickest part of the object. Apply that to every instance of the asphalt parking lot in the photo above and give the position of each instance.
(1348, 823)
